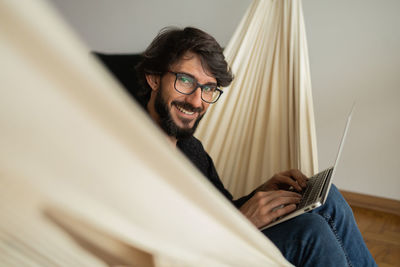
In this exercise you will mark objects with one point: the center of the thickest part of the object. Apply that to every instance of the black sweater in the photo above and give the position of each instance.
(195, 152)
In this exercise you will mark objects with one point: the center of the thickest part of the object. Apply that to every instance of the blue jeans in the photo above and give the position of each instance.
(326, 236)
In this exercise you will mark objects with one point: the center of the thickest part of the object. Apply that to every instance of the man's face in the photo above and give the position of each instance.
(180, 114)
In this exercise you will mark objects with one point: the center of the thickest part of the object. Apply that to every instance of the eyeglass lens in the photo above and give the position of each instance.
(187, 84)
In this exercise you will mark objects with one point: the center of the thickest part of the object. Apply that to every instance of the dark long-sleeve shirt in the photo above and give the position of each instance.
(193, 149)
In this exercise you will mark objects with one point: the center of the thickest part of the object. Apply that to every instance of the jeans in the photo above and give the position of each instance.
(326, 236)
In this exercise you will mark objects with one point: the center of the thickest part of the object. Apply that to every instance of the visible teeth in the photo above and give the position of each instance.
(185, 111)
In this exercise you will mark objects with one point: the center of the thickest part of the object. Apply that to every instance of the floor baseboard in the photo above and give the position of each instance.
(372, 202)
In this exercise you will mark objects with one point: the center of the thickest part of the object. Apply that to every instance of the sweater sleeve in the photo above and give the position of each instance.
(218, 183)
(195, 152)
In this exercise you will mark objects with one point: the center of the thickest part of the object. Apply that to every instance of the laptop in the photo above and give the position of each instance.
(316, 192)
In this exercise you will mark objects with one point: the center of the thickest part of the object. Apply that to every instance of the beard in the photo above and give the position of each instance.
(168, 124)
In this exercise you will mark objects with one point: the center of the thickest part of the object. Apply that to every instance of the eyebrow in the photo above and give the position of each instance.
(192, 76)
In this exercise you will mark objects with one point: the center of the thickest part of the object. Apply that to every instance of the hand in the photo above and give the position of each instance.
(263, 207)
(285, 180)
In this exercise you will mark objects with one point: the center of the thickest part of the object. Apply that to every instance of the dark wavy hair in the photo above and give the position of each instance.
(171, 44)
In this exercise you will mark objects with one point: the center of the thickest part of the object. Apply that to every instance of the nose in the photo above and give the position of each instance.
(195, 98)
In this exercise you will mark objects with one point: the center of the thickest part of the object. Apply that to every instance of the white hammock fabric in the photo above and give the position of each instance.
(79, 161)
(264, 123)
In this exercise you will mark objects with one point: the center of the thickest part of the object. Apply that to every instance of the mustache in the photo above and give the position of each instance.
(187, 106)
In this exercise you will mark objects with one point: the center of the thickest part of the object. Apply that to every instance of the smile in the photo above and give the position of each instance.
(187, 112)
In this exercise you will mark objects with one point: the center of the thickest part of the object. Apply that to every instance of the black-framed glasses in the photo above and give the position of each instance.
(187, 84)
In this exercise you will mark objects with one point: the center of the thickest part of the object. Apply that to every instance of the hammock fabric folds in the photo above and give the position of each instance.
(86, 176)
(264, 123)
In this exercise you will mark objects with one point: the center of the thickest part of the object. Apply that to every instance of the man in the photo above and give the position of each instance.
(181, 73)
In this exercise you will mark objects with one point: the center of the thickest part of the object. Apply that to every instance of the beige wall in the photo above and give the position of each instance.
(130, 25)
(354, 50)
(354, 54)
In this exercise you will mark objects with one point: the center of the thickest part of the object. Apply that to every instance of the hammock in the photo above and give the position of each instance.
(264, 123)
(86, 177)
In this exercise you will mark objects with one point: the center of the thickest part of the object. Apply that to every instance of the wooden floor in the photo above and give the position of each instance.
(381, 232)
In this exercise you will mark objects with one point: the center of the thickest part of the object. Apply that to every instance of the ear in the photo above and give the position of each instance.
(154, 81)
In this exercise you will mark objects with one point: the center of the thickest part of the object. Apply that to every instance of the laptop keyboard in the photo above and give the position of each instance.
(314, 185)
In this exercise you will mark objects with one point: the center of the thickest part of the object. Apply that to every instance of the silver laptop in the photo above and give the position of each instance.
(317, 188)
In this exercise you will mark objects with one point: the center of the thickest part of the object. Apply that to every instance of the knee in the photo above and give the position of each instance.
(307, 228)
(311, 226)
(307, 240)
(336, 211)
(336, 203)
(334, 194)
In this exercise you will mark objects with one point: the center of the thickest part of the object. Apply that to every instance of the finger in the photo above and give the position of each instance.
(260, 208)
(281, 193)
(282, 211)
(261, 198)
(276, 213)
(272, 199)
(280, 200)
(283, 200)
(285, 179)
(280, 203)
(298, 176)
